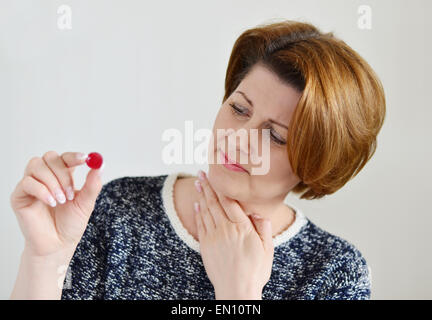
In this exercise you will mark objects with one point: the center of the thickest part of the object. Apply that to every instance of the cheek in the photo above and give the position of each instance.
(281, 171)
(278, 180)
(279, 164)
(224, 120)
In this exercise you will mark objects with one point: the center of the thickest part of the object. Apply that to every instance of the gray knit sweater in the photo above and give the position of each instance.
(135, 247)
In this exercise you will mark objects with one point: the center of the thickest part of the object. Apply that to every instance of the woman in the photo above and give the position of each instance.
(228, 234)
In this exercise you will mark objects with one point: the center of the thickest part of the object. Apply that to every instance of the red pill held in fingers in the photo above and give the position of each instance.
(94, 160)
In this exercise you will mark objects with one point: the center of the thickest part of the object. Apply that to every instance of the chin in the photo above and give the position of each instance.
(224, 182)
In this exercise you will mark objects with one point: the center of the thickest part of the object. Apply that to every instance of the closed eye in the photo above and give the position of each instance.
(238, 111)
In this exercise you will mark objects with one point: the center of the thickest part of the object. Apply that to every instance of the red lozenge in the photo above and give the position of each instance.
(94, 160)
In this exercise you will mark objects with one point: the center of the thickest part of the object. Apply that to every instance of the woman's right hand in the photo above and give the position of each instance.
(49, 229)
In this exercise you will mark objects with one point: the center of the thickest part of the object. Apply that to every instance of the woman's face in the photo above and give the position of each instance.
(271, 99)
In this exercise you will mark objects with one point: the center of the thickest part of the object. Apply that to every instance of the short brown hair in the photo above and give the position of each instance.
(333, 130)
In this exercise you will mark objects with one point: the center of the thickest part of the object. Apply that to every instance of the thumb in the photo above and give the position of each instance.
(86, 197)
(264, 230)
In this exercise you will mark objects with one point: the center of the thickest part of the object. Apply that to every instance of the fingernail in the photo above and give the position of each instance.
(60, 196)
(196, 205)
(51, 201)
(70, 193)
(201, 175)
(198, 185)
(81, 156)
(257, 216)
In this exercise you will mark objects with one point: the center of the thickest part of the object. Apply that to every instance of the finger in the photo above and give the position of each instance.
(216, 209)
(207, 218)
(32, 187)
(264, 230)
(73, 159)
(38, 169)
(62, 173)
(221, 200)
(232, 209)
(199, 222)
(86, 197)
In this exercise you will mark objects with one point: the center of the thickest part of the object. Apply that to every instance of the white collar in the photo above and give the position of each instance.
(168, 203)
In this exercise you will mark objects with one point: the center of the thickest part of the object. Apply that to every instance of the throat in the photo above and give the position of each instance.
(285, 221)
(185, 195)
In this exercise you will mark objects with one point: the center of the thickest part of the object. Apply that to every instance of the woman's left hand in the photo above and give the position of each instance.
(237, 252)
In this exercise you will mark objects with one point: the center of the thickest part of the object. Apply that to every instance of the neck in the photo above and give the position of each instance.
(281, 216)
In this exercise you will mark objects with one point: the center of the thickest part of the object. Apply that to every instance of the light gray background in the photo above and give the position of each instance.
(128, 70)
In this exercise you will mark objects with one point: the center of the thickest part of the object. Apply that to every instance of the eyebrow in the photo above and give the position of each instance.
(250, 102)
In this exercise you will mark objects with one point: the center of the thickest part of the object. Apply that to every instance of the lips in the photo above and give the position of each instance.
(228, 160)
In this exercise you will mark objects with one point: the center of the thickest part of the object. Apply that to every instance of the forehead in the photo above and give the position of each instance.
(269, 95)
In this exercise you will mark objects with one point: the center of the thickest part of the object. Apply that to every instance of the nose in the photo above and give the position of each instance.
(244, 140)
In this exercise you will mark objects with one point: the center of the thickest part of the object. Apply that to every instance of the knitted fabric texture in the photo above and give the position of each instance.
(135, 247)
